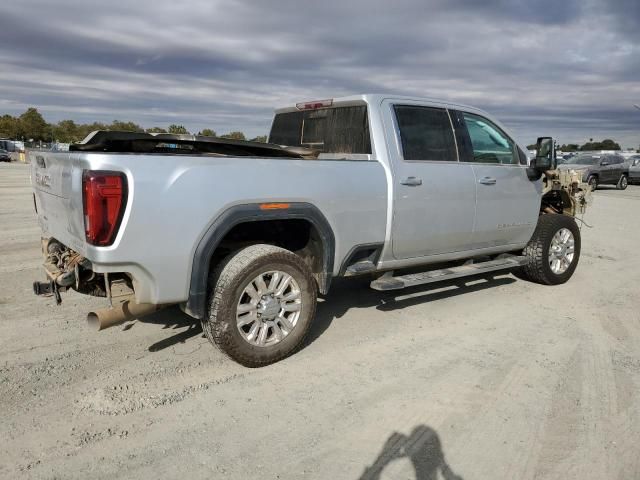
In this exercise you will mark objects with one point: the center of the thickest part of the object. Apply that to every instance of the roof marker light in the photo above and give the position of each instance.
(312, 105)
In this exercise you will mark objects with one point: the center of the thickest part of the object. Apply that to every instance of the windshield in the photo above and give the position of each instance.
(586, 160)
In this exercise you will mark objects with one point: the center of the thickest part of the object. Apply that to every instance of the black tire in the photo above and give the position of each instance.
(593, 182)
(623, 183)
(226, 286)
(538, 269)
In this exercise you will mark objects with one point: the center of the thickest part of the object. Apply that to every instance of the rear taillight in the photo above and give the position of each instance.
(104, 201)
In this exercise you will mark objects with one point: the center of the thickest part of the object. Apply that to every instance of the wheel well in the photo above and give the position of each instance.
(297, 235)
(300, 227)
(556, 200)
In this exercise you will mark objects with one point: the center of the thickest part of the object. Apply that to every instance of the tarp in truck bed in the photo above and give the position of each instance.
(134, 142)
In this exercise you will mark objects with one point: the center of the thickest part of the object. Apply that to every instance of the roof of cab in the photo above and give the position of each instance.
(375, 99)
(378, 98)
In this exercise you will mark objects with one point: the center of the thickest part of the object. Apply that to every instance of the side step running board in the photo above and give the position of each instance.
(385, 283)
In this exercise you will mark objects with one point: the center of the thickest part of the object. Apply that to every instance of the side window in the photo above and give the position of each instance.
(426, 133)
(488, 142)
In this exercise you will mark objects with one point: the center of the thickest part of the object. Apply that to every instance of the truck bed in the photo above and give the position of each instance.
(173, 199)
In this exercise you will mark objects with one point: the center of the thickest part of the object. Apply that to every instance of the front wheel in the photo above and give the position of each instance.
(262, 300)
(593, 182)
(623, 183)
(553, 251)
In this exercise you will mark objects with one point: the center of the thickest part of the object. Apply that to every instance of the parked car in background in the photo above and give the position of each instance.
(4, 155)
(565, 158)
(11, 145)
(7, 145)
(14, 149)
(634, 169)
(600, 169)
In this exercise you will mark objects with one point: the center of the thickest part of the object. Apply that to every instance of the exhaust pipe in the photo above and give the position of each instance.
(122, 312)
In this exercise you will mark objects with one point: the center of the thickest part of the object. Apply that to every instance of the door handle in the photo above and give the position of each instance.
(411, 181)
(488, 181)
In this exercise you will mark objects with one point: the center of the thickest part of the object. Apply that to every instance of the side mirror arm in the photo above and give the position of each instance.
(533, 173)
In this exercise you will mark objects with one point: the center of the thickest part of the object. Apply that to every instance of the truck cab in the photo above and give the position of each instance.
(457, 182)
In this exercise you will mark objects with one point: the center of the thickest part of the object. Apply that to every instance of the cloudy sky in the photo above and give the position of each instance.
(568, 68)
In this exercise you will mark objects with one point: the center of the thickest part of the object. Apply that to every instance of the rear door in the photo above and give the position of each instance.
(433, 193)
(507, 202)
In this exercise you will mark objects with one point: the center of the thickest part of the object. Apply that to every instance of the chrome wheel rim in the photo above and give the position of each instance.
(623, 182)
(269, 308)
(561, 251)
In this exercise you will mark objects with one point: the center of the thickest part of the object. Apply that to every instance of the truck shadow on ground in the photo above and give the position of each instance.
(422, 447)
(345, 295)
(174, 319)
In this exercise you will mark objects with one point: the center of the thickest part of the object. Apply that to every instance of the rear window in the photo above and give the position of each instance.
(329, 130)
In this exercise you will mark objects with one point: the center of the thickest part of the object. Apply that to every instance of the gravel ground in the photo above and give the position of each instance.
(496, 379)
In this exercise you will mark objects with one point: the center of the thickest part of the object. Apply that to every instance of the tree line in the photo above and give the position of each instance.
(606, 144)
(31, 126)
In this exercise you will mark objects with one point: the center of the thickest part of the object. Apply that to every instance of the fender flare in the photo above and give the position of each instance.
(236, 215)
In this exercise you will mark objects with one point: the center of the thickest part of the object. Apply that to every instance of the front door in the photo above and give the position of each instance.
(434, 194)
(508, 203)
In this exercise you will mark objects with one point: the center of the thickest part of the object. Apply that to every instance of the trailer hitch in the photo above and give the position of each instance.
(47, 289)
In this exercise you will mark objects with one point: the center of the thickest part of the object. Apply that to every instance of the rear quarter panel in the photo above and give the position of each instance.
(173, 200)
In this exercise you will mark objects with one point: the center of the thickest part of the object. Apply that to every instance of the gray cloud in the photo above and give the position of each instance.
(569, 68)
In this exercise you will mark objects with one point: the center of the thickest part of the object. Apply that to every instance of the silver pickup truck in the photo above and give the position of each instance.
(244, 236)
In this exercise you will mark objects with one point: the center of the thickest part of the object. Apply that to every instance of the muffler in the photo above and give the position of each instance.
(126, 310)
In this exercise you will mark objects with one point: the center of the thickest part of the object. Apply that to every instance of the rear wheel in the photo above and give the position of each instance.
(262, 300)
(553, 251)
(623, 182)
(593, 182)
